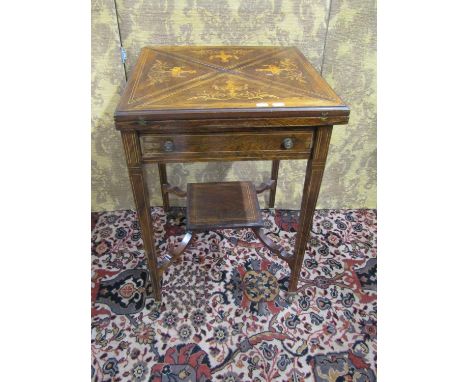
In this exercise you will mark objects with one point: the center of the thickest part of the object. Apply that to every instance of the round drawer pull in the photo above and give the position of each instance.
(168, 146)
(288, 143)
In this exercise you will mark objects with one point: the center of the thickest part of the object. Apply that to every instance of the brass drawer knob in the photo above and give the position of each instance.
(288, 143)
(168, 146)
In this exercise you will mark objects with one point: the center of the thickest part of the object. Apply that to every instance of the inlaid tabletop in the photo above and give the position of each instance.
(169, 80)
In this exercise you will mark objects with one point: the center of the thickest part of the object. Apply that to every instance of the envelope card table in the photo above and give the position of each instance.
(225, 103)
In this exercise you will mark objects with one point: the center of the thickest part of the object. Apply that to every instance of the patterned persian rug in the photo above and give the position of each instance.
(225, 315)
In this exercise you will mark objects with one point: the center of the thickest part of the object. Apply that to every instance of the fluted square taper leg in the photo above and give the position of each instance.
(140, 194)
(313, 180)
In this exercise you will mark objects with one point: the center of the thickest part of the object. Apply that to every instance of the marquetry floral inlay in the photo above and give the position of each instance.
(286, 68)
(161, 72)
(221, 55)
(229, 90)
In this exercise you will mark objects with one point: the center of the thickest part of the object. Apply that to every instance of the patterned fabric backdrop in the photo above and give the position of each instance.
(338, 37)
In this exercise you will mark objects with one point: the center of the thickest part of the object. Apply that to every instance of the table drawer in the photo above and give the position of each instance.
(228, 146)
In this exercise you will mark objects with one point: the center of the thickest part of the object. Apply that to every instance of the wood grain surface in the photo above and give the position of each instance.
(225, 82)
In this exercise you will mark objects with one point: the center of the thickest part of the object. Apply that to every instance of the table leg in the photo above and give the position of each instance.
(140, 195)
(313, 180)
(163, 181)
(274, 176)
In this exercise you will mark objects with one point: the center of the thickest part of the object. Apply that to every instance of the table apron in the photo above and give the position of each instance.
(202, 147)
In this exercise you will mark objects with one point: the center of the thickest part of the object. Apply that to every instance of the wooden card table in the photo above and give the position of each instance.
(198, 104)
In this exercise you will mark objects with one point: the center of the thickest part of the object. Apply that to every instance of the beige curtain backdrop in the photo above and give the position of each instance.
(337, 36)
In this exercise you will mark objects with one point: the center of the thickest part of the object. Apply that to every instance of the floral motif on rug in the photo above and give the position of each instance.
(225, 314)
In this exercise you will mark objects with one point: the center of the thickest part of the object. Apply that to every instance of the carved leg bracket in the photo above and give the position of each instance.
(168, 189)
(272, 246)
(174, 253)
(268, 185)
